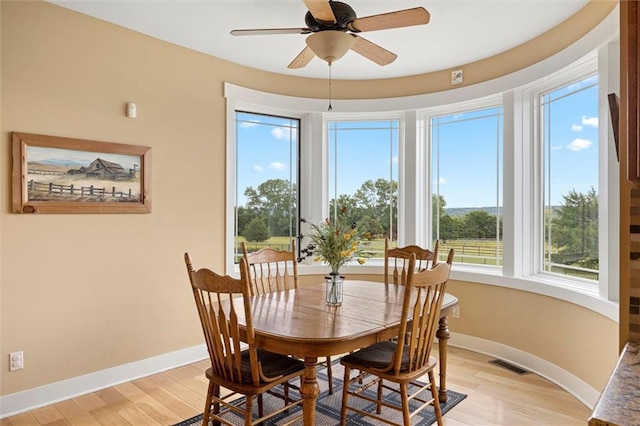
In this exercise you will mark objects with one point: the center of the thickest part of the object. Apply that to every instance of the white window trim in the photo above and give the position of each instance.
(514, 274)
(605, 63)
(494, 101)
(532, 141)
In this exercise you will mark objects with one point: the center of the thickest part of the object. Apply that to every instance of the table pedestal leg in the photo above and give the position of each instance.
(443, 334)
(309, 390)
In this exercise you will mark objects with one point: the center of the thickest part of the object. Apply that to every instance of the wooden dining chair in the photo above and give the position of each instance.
(251, 371)
(396, 261)
(272, 270)
(403, 361)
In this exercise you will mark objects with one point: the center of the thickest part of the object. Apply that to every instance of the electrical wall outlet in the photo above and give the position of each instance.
(456, 312)
(16, 361)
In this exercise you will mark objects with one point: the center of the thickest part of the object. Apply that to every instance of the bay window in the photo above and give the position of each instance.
(519, 182)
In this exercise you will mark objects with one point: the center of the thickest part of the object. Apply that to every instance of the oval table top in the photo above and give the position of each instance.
(299, 322)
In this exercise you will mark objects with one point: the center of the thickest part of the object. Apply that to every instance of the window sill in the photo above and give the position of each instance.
(585, 295)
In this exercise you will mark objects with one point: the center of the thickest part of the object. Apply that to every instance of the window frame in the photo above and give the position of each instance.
(390, 116)
(494, 101)
(297, 166)
(234, 106)
(580, 73)
(609, 212)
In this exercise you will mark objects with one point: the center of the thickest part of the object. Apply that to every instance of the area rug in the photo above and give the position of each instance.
(328, 407)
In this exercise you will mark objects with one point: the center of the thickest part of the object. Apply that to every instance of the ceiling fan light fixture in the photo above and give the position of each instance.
(330, 45)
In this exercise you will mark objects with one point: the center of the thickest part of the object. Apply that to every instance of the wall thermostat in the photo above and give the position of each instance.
(456, 77)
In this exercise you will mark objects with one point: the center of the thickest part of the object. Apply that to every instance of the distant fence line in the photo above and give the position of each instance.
(482, 252)
(255, 246)
(574, 271)
(53, 188)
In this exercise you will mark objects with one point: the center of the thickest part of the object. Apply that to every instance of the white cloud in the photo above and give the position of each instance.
(277, 166)
(442, 181)
(258, 169)
(278, 132)
(590, 121)
(576, 127)
(579, 144)
(283, 133)
(394, 160)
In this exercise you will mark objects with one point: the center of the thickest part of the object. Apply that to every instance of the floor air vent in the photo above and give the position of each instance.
(509, 366)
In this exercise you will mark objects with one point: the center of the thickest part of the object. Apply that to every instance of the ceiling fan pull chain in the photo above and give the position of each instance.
(330, 107)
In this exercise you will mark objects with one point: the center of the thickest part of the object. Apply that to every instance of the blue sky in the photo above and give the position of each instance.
(372, 146)
(266, 150)
(470, 148)
(573, 131)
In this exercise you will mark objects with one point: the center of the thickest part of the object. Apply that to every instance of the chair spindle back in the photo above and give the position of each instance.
(213, 295)
(397, 259)
(271, 270)
(424, 293)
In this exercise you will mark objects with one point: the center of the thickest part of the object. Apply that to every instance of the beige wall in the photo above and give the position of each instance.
(575, 339)
(81, 293)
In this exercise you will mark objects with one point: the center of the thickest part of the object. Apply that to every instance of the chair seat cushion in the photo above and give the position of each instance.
(379, 356)
(273, 365)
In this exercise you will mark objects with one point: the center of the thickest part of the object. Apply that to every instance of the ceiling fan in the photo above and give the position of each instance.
(334, 28)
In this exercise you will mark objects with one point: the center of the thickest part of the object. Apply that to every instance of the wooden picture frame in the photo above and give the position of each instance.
(54, 174)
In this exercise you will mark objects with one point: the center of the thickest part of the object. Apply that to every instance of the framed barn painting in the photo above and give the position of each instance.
(54, 174)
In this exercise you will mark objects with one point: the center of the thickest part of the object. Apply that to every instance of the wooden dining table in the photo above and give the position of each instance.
(300, 323)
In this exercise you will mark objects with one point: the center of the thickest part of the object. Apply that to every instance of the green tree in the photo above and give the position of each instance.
(275, 201)
(574, 230)
(347, 202)
(243, 217)
(376, 204)
(256, 230)
(479, 224)
(450, 227)
(438, 204)
(442, 224)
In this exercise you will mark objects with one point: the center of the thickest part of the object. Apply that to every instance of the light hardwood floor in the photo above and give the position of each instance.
(496, 396)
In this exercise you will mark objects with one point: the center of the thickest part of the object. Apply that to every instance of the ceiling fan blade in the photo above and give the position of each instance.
(385, 21)
(321, 10)
(270, 31)
(302, 59)
(372, 51)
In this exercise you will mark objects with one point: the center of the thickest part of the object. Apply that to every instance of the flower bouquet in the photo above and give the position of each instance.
(335, 243)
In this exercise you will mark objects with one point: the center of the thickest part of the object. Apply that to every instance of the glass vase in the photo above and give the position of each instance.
(334, 289)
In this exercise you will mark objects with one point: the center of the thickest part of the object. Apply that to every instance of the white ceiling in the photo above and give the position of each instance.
(460, 31)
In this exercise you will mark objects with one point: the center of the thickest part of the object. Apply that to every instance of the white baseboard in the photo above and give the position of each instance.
(30, 399)
(561, 377)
